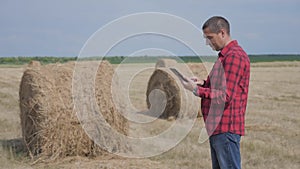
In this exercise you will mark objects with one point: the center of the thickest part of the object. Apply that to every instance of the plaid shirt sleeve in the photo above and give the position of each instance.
(223, 90)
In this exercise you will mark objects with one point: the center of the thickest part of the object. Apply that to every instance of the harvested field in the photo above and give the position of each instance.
(272, 125)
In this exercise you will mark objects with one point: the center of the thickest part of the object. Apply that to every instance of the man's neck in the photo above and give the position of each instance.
(227, 41)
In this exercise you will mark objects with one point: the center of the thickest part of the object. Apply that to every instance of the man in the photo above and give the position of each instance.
(223, 94)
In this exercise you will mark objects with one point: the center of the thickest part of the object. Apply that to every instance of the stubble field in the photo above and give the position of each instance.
(272, 125)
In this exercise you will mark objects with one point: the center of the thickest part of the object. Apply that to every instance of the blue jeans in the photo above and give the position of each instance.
(225, 151)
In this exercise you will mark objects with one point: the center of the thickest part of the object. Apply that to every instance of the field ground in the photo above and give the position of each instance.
(272, 125)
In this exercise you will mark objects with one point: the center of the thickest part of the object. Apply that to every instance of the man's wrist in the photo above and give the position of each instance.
(202, 83)
(195, 91)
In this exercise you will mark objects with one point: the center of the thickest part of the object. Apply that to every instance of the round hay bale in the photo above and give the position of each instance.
(199, 70)
(50, 127)
(34, 63)
(167, 98)
(164, 63)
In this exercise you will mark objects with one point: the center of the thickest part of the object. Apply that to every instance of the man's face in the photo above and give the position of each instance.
(214, 40)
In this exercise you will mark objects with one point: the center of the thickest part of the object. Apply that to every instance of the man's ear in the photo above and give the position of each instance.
(223, 33)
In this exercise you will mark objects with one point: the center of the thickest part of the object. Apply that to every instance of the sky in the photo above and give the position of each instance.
(63, 27)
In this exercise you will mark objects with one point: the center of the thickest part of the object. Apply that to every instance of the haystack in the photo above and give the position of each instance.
(34, 63)
(167, 97)
(164, 63)
(50, 127)
(199, 69)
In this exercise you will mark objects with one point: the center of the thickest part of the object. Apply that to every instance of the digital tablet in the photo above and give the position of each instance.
(178, 74)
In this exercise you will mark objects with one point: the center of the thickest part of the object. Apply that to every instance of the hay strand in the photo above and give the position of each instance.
(50, 127)
(170, 99)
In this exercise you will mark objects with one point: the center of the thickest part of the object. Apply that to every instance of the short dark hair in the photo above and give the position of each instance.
(216, 23)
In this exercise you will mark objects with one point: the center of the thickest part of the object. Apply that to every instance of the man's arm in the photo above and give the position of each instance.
(232, 73)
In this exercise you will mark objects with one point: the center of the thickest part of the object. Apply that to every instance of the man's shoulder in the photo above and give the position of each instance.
(233, 48)
(237, 54)
(237, 51)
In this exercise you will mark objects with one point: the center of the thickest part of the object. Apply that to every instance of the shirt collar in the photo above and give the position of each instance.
(223, 52)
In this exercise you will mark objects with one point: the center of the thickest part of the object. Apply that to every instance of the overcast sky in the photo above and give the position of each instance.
(62, 27)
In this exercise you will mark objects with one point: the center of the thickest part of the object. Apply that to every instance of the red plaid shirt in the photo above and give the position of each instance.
(225, 92)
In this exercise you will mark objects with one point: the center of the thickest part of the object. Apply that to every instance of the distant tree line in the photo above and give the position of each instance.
(20, 60)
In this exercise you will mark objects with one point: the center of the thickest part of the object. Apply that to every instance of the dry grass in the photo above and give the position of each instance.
(272, 125)
(50, 127)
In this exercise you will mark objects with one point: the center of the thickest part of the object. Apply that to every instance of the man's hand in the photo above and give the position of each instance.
(191, 83)
(197, 81)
